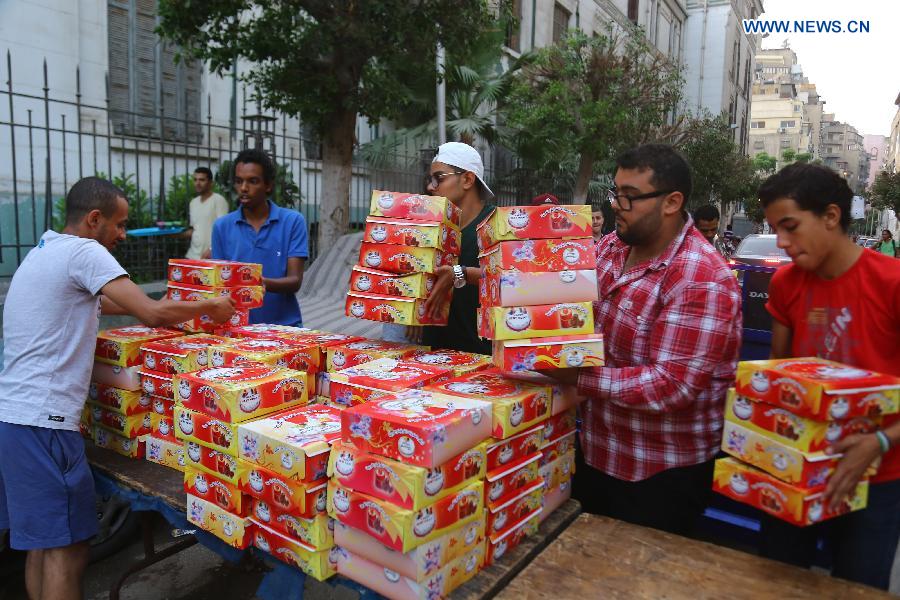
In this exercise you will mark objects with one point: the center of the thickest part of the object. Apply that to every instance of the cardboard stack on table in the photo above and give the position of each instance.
(378, 378)
(407, 237)
(191, 280)
(779, 420)
(537, 288)
(407, 492)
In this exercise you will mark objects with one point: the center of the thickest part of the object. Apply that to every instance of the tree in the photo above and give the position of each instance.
(788, 155)
(764, 163)
(592, 96)
(326, 62)
(885, 191)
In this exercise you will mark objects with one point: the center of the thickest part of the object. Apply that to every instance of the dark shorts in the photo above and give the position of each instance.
(46, 488)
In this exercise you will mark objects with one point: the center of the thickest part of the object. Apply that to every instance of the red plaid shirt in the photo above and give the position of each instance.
(672, 335)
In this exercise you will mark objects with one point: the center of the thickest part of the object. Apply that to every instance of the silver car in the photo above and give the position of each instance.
(756, 258)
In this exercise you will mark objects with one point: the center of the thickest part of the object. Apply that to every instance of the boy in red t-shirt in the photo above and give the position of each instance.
(840, 302)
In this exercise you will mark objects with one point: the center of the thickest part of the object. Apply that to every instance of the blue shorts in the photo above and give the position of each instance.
(46, 488)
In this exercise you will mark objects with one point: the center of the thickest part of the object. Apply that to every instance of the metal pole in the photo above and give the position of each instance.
(441, 95)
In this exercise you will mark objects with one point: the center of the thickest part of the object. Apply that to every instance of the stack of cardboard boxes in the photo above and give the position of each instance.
(191, 280)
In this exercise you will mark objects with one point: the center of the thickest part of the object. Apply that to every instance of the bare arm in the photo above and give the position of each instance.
(781, 340)
(131, 300)
(108, 307)
(290, 283)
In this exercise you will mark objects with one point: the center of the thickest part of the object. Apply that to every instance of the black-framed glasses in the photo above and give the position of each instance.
(624, 200)
(435, 179)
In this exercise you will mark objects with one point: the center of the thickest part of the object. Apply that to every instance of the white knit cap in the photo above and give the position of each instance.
(465, 157)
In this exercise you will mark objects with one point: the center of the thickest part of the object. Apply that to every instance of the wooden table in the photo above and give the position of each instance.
(599, 557)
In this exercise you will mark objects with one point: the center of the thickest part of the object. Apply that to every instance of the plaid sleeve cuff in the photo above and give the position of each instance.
(595, 382)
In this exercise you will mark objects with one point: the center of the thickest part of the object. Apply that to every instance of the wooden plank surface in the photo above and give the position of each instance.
(598, 557)
(140, 475)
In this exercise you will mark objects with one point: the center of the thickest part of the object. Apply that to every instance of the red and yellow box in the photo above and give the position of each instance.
(282, 493)
(556, 221)
(193, 426)
(164, 452)
(559, 352)
(565, 396)
(559, 470)
(400, 528)
(403, 259)
(127, 426)
(404, 485)
(213, 462)
(504, 485)
(520, 508)
(393, 309)
(382, 283)
(559, 425)
(219, 491)
(232, 529)
(376, 378)
(559, 447)
(122, 346)
(525, 288)
(124, 378)
(554, 498)
(265, 330)
(179, 355)
(205, 324)
(244, 296)
(211, 272)
(818, 388)
(513, 450)
(499, 545)
(457, 361)
(315, 532)
(314, 563)
(417, 234)
(121, 401)
(163, 427)
(129, 447)
(540, 255)
(794, 504)
(806, 435)
(363, 351)
(237, 394)
(544, 320)
(515, 405)
(293, 443)
(278, 352)
(415, 207)
(417, 427)
(157, 385)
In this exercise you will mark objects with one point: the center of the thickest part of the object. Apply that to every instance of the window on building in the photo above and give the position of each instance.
(150, 95)
(759, 145)
(757, 124)
(785, 143)
(560, 22)
(796, 108)
(514, 28)
(788, 123)
(633, 10)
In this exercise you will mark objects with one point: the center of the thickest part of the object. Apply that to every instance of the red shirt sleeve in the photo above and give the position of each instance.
(779, 286)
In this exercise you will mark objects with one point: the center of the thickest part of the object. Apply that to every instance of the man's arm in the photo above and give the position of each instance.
(290, 283)
(781, 340)
(108, 307)
(128, 298)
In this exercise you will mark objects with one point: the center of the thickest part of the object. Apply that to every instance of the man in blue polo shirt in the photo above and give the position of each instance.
(261, 232)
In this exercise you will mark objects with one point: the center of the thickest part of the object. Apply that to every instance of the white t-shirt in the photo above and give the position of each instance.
(203, 213)
(50, 322)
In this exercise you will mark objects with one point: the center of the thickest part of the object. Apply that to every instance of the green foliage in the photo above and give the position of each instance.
(179, 194)
(788, 155)
(285, 193)
(764, 163)
(803, 157)
(885, 191)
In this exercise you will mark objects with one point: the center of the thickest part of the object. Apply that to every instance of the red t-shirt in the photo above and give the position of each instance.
(853, 319)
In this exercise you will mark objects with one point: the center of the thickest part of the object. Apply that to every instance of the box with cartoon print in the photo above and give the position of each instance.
(417, 427)
(283, 494)
(794, 504)
(157, 385)
(524, 505)
(499, 545)
(416, 234)
(556, 221)
(559, 470)
(105, 438)
(415, 207)
(317, 532)
(232, 529)
(554, 498)
(244, 296)
(214, 272)
(524, 288)
(382, 283)
(404, 485)
(559, 425)
(205, 324)
(540, 255)
(818, 388)
(164, 452)
(513, 450)
(400, 528)
(127, 426)
(211, 461)
(363, 351)
(403, 259)
(122, 346)
(207, 431)
(544, 320)
(278, 352)
(393, 309)
(266, 330)
(559, 352)
(124, 378)
(314, 563)
(237, 394)
(375, 379)
(293, 443)
(458, 362)
(118, 400)
(163, 427)
(217, 490)
(179, 355)
(506, 484)
(559, 447)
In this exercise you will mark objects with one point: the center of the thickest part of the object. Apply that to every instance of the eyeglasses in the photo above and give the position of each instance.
(434, 179)
(624, 200)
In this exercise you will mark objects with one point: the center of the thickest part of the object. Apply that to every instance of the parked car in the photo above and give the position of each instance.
(756, 258)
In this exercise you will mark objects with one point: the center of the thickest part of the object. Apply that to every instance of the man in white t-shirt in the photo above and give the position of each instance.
(50, 322)
(202, 213)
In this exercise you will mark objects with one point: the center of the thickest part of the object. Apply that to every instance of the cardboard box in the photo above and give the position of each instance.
(545, 320)
(232, 529)
(806, 435)
(403, 259)
(179, 355)
(515, 405)
(564, 396)
(415, 207)
(540, 255)
(283, 494)
(517, 288)
(818, 388)
(237, 394)
(558, 221)
(382, 283)
(244, 296)
(205, 324)
(559, 425)
(208, 431)
(104, 438)
(285, 353)
(265, 330)
(163, 427)
(524, 505)
(314, 563)
(317, 532)
(125, 402)
(554, 498)
(214, 272)
(219, 491)
(164, 452)
(499, 545)
(157, 385)
(794, 504)
(457, 361)
(401, 528)
(374, 379)
(293, 443)
(404, 485)
(513, 450)
(122, 346)
(161, 406)
(413, 233)
(392, 309)
(124, 378)
(559, 470)
(549, 353)
(213, 462)
(561, 446)
(419, 563)
(504, 485)
(363, 351)
(417, 427)
(85, 422)
(127, 426)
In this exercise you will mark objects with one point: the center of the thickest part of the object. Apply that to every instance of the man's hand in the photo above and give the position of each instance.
(859, 451)
(221, 308)
(207, 254)
(438, 296)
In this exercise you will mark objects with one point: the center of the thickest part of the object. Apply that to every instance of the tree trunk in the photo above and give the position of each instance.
(337, 171)
(583, 179)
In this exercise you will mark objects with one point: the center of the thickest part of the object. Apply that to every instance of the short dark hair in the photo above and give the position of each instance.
(812, 187)
(707, 212)
(670, 168)
(257, 157)
(91, 193)
(205, 170)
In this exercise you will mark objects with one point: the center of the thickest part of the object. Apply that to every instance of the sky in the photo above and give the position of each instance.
(858, 74)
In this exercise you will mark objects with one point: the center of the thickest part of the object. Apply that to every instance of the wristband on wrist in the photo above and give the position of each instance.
(883, 441)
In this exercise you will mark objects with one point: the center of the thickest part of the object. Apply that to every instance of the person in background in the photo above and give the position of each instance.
(259, 231)
(50, 321)
(706, 220)
(597, 221)
(887, 245)
(542, 199)
(203, 211)
(840, 302)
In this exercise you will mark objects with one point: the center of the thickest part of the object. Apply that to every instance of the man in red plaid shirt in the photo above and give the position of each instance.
(670, 313)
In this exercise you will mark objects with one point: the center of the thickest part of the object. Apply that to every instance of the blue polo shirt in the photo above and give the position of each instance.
(282, 236)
